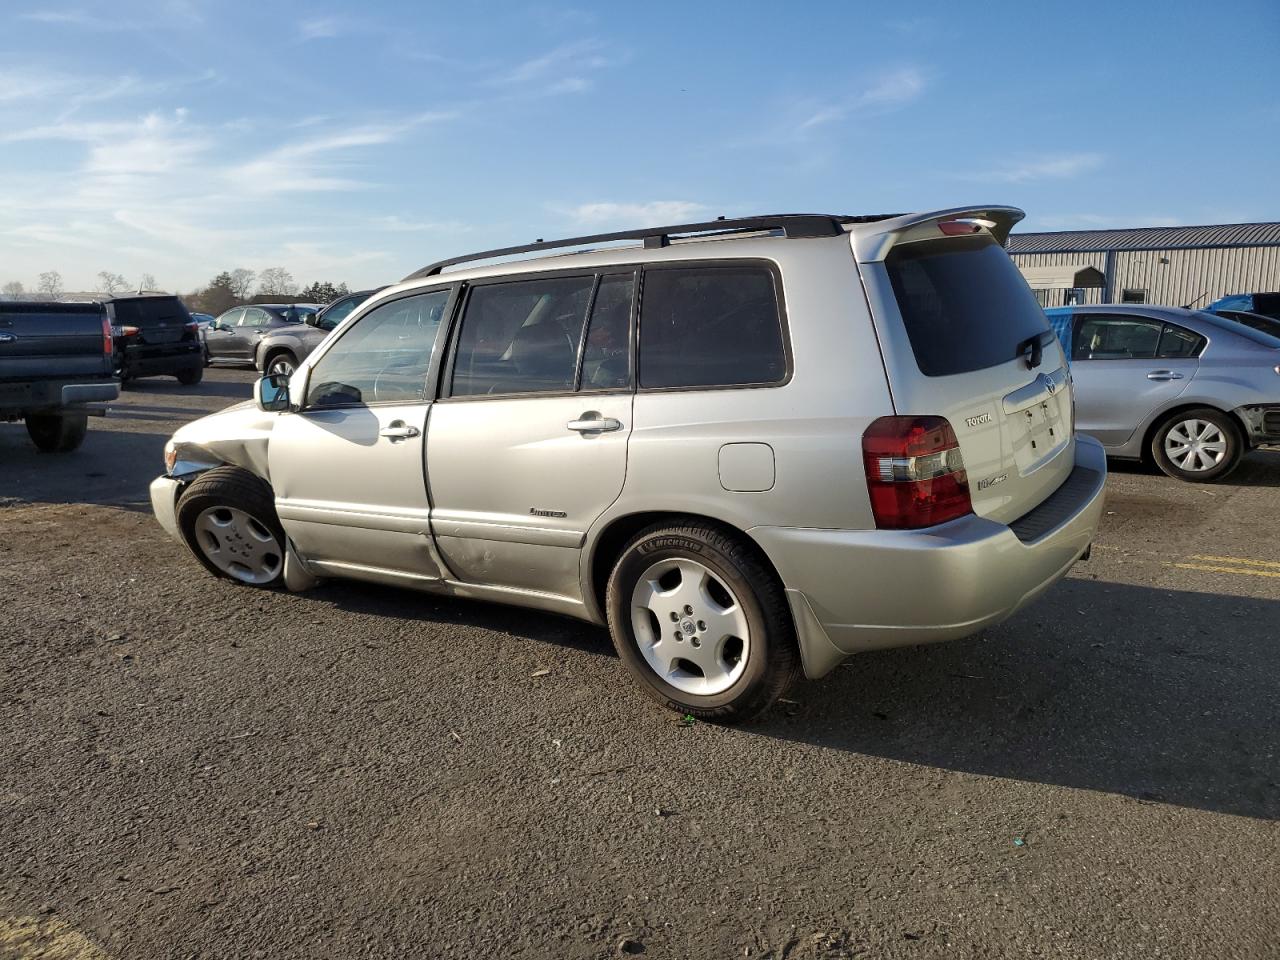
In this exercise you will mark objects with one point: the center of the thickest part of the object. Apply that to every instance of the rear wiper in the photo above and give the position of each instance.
(1036, 347)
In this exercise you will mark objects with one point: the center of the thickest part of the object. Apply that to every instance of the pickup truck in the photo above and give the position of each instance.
(54, 359)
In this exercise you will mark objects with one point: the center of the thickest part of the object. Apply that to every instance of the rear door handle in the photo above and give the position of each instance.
(398, 430)
(1164, 375)
(592, 422)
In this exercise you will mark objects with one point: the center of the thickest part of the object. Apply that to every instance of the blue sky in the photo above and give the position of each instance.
(357, 141)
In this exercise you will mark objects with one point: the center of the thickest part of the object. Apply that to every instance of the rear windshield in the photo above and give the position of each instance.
(150, 311)
(964, 304)
(1240, 329)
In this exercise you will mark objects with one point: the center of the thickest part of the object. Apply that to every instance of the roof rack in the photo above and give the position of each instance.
(793, 225)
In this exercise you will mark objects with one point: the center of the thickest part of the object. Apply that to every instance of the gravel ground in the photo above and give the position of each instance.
(192, 768)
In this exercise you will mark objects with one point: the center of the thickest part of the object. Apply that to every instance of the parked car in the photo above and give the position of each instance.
(1188, 389)
(749, 447)
(1254, 320)
(1267, 304)
(155, 336)
(233, 336)
(54, 359)
(281, 349)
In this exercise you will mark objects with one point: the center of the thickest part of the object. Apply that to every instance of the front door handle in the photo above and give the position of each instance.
(592, 422)
(1164, 375)
(398, 430)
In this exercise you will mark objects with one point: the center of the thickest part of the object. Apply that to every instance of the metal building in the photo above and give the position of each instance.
(1174, 266)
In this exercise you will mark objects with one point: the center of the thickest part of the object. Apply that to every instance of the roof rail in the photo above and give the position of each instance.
(794, 225)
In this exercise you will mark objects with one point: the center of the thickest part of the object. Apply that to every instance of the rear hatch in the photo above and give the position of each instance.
(964, 338)
(152, 324)
(52, 341)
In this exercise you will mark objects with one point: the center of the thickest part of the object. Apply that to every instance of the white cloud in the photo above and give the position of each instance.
(637, 214)
(1050, 167)
(319, 28)
(894, 89)
(561, 70)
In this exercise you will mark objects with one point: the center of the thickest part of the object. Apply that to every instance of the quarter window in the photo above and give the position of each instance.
(606, 356)
(521, 336)
(709, 327)
(383, 358)
(1178, 342)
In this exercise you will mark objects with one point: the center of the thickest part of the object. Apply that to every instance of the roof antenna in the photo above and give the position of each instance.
(1191, 305)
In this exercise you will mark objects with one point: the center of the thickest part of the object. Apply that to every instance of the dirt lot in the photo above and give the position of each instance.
(191, 768)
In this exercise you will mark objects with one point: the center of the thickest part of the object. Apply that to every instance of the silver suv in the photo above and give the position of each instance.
(750, 447)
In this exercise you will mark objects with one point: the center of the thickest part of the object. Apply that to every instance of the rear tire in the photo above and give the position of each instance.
(702, 621)
(1199, 446)
(57, 432)
(191, 376)
(228, 519)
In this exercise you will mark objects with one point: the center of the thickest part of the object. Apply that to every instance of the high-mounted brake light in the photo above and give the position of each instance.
(915, 472)
(963, 226)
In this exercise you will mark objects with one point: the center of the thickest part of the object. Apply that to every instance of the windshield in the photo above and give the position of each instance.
(1249, 332)
(964, 304)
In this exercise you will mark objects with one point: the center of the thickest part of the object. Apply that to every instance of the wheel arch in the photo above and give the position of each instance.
(605, 547)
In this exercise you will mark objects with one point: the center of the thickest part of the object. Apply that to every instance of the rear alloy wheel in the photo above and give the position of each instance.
(1198, 445)
(228, 519)
(57, 432)
(702, 622)
(282, 363)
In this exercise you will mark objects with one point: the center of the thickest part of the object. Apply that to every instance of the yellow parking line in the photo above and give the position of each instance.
(1241, 560)
(1244, 572)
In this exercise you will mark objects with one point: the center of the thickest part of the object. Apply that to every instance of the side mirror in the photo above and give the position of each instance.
(272, 393)
(311, 319)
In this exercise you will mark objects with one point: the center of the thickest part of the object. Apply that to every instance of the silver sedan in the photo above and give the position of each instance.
(1188, 389)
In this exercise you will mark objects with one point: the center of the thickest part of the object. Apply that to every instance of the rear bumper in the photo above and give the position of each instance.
(1262, 421)
(134, 362)
(164, 504)
(47, 395)
(857, 590)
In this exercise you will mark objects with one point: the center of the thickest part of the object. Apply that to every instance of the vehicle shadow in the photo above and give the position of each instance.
(1258, 468)
(113, 467)
(396, 603)
(1159, 695)
(167, 386)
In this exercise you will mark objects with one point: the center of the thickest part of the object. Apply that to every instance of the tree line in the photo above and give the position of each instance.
(228, 289)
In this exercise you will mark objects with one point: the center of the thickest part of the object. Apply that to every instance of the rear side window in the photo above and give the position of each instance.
(150, 311)
(964, 304)
(712, 326)
(1178, 342)
(1107, 337)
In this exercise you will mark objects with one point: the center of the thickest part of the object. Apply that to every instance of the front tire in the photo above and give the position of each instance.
(57, 432)
(228, 519)
(702, 621)
(1200, 445)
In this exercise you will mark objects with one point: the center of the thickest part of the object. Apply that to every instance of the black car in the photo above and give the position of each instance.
(1255, 321)
(154, 336)
(282, 350)
(234, 336)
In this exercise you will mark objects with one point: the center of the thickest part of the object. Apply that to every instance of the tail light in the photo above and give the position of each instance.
(129, 331)
(108, 343)
(191, 327)
(915, 472)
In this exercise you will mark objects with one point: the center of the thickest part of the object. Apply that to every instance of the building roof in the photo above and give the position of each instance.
(1147, 238)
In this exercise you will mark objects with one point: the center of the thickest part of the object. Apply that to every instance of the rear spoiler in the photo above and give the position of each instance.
(873, 241)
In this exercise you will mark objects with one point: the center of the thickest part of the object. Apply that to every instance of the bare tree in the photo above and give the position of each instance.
(110, 283)
(148, 282)
(50, 284)
(277, 281)
(13, 290)
(242, 282)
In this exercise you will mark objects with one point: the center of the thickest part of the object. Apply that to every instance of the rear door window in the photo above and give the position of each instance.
(711, 326)
(965, 305)
(606, 355)
(1107, 337)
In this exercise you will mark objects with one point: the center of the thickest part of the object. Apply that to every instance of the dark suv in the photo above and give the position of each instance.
(155, 336)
